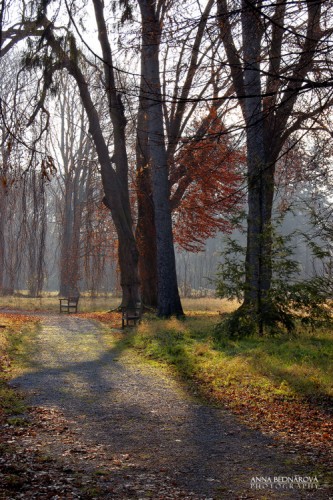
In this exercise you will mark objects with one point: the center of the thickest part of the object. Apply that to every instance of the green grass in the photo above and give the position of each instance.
(15, 348)
(272, 367)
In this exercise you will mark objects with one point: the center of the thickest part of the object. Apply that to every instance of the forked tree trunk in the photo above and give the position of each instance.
(168, 296)
(146, 231)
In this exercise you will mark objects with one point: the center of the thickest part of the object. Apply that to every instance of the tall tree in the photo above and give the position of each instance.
(186, 59)
(273, 63)
(168, 295)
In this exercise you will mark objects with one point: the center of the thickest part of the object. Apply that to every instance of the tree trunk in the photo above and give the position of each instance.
(260, 175)
(146, 239)
(120, 207)
(168, 296)
(145, 230)
(36, 235)
(2, 235)
(266, 120)
(66, 284)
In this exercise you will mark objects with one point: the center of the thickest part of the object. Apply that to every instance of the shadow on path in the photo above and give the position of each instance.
(135, 409)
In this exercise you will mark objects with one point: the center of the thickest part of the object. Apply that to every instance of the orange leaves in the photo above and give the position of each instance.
(206, 189)
(14, 320)
(112, 319)
(307, 426)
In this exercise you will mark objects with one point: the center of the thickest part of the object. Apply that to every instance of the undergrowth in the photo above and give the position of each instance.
(16, 333)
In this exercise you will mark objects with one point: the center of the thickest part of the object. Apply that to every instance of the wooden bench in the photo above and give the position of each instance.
(69, 304)
(131, 314)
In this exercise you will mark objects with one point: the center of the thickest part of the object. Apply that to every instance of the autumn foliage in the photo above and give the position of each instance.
(206, 187)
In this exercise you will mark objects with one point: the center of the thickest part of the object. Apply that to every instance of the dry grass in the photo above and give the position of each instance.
(208, 305)
(50, 302)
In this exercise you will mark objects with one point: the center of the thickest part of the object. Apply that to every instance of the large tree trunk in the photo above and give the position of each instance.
(145, 230)
(260, 175)
(146, 239)
(168, 295)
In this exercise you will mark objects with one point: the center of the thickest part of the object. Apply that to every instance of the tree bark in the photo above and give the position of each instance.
(146, 238)
(259, 213)
(168, 296)
(145, 230)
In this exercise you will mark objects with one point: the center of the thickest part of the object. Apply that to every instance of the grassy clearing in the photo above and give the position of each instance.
(16, 332)
(208, 306)
(278, 367)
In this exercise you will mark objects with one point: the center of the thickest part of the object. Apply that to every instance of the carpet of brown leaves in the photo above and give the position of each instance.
(76, 471)
(111, 319)
(306, 426)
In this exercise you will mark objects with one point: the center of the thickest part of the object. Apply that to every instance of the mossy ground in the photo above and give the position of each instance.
(16, 341)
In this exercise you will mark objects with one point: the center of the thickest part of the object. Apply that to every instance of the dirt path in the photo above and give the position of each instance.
(106, 415)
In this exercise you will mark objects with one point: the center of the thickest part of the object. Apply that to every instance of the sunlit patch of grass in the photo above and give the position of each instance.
(207, 305)
(16, 335)
(272, 367)
(49, 301)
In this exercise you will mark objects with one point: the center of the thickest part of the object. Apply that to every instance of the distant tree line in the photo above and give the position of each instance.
(184, 116)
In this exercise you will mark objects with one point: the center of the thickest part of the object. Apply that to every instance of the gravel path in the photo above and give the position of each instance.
(168, 445)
